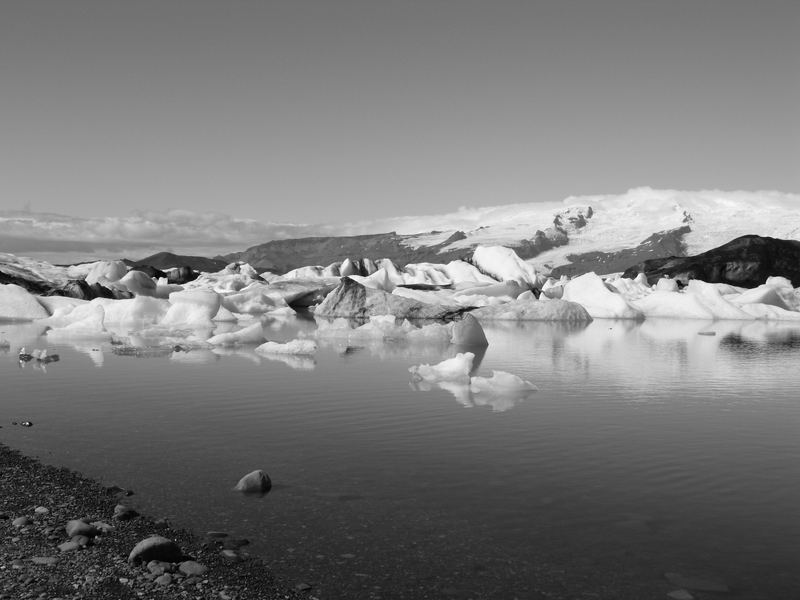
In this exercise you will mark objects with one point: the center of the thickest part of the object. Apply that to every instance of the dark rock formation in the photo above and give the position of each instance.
(168, 260)
(746, 261)
(150, 271)
(181, 275)
(281, 256)
(352, 300)
(659, 245)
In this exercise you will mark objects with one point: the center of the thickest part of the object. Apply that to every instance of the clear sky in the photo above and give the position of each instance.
(322, 111)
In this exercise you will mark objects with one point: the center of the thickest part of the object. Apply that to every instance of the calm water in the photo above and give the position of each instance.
(647, 449)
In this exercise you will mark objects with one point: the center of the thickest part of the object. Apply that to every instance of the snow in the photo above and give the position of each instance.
(600, 302)
(252, 334)
(292, 347)
(17, 303)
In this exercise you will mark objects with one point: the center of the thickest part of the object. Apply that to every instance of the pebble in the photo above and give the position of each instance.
(69, 546)
(41, 510)
(20, 522)
(230, 555)
(44, 560)
(680, 595)
(302, 587)
(191, 567)
(80, 527)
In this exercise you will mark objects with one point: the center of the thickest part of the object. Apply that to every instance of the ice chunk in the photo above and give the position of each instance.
(468, 332)
(379, 280)
(665, 284)
(600, 302)
(89, 327)
(462, 273)
(139, 283)
(504, 265)
(193, 308)
(106, 271)
(134, 313)
(763, 294)
(451, 369)
(709, 295)
(676, 305)
(58, 306)
(253, 334)
(293, 347)
(17, 303)
(534, 310)
(254, 301)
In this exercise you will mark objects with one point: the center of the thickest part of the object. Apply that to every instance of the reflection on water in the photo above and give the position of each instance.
(648, 448)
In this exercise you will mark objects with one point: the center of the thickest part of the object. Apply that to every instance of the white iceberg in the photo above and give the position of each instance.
(253, 334)
(292, 347)
(452, 369)
(17, 303)
(591, 292)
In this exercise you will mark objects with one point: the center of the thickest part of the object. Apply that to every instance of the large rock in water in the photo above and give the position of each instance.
(746, 261)
(353, 300)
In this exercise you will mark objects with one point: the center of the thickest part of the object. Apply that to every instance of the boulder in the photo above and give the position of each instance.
(746, 261)
(353, 300)
(255, 482)
(155, 548)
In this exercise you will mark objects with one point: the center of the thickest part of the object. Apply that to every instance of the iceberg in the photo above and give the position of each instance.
(504, 265)
(452, 369)
(292, 347)
(534, 310)
(17, 303)
(252, 334)
(601, 303)
(89, 327)
(193, 308)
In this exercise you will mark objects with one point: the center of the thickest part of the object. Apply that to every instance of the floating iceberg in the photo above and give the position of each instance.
(17, 303)
(452, 369)
(600, 302)
(534, 310)
(253, 334)
(293, 347)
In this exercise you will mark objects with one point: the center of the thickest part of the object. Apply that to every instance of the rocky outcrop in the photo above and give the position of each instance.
(355, 301)
(746, 261)
(282, 256)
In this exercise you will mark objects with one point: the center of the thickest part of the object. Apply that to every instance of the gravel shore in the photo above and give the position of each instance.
(66, 537)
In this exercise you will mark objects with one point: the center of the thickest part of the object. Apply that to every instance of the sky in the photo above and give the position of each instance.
(334, 111)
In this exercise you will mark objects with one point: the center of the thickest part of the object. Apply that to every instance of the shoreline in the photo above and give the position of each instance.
(38, 559)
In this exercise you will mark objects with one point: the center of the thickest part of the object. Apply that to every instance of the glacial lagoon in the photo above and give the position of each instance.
(648, 448)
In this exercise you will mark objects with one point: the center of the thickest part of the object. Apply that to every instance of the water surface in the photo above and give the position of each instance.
(648, 448)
